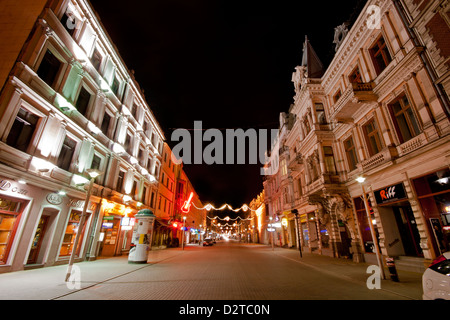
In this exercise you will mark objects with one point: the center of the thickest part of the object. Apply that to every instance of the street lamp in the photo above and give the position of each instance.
(273, 231)
(93, 173)
(361, 180)
(295, 212)
(184, 227)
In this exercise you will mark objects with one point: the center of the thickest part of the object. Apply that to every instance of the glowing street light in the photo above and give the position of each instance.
(273, 232)
(184, 227)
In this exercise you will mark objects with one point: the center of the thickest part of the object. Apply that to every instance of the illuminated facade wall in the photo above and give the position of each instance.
(259, 220)
(195, 217)
(70, 104)
(379, 110)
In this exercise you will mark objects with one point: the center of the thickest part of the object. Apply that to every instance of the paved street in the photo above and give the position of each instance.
(225, 271)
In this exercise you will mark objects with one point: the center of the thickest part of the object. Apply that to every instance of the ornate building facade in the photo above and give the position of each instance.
(69, 105)
(379, 110)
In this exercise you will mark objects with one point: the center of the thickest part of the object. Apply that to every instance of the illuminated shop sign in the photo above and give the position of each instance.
(390, 194)
(107, 225)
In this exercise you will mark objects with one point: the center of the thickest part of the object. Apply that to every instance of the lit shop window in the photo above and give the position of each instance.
(9, 217)
(70, 234)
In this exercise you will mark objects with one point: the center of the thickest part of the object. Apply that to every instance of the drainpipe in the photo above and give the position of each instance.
(438, 87)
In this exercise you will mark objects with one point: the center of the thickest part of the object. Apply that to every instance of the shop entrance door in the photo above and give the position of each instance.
(110, 228)
(37, 240)
(407, 228)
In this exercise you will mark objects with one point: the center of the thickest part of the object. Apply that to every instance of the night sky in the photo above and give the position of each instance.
(226, 63)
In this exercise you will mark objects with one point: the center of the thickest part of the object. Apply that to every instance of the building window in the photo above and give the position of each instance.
(355, 76)
(152, 200)
(156, 173)
(134, 109)
(66, 154)
(115, 86)
(433, 192)
(134, 189)
(83, 101)
(380, 55)
(141, 157)
(147, 127)
(96, 162)
(405, 122)
(22, 130)
(105, 123)
(120, 179)
(299, 187)
(96, 60)
(329, 160)
(372, 137)
(144, 195)
(320, 113)
(49, 68)
(337, 96)
(350, 151)
(128, 145)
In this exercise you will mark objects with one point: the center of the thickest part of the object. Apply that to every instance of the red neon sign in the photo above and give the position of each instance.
(187, 204)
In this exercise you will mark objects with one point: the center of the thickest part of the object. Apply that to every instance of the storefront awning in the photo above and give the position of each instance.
(162, 223)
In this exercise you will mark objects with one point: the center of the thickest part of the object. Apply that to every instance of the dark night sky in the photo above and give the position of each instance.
(227, 63)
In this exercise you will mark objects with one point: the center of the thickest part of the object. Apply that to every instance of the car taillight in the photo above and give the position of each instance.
(437, 260)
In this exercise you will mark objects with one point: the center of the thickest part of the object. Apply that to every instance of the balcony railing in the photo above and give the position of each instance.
(386, 155)
(353, 99)
(411, 145)
(296, 163)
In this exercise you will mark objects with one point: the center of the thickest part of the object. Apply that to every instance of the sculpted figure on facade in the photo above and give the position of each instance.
(322, 214)
(298, 77)
(342, 211)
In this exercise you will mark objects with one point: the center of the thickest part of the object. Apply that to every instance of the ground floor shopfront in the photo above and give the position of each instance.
(409, 205)
(38, 226)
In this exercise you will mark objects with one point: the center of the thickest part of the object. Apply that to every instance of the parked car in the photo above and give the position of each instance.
(436, 279)
(208, 242)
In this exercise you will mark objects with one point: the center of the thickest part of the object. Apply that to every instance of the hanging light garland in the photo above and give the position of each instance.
(210, 207)
(228, 218)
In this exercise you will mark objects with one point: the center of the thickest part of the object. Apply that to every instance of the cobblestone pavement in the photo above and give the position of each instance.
(226, 271)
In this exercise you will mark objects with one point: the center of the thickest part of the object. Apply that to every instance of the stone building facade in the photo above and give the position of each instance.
(69, 104)
(378, 110)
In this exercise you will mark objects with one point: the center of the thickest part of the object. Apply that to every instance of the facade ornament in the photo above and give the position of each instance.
(340, 32)
(342, 211)
(299, 77)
